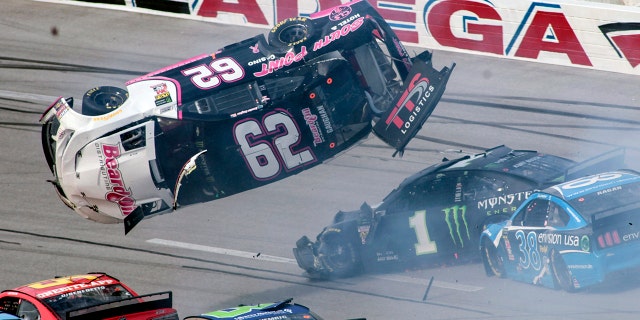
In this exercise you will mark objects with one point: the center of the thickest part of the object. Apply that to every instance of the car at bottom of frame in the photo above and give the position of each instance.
(570, 236)
(244, 116)
(282, 310)
(435, 216)
(88, 296)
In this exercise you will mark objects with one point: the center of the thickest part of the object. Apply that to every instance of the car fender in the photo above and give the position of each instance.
(493, 232)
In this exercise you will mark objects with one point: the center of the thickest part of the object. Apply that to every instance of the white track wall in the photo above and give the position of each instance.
(572, 33)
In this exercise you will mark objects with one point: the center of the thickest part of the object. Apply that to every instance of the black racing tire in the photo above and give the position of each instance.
(562, 277)
(290, 32)
(493, 264)
(102, 100)
(338, 255)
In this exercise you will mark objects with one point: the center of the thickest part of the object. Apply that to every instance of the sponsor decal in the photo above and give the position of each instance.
(507, 245)
(288, 59)
(631, 236)
(386, 256)
(61, 108)
(562, 239)
(580, 266)
(585, 244)
(312, 122)
(118, 192)
(328, 128)
(456, 219)
(261, 60)
(503, 204)
(339, 13)
(412, 100)
(239, 113)
(107, 116)
(74, 287)
(337, 34)
(256, 48)
(162, 94)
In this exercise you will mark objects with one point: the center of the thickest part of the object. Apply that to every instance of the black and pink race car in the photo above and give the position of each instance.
(249, 114)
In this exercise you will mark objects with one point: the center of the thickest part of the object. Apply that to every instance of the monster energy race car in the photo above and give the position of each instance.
(436, 216)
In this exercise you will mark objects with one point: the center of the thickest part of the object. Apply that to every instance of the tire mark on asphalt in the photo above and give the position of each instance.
(323, 285)
(504, 106)
(29, 64)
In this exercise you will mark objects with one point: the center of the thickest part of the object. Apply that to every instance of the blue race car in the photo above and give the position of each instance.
(571, 235)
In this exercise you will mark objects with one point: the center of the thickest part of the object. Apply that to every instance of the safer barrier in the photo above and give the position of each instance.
(584, 34)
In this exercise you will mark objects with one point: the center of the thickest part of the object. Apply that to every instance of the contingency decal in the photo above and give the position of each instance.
(162, 95)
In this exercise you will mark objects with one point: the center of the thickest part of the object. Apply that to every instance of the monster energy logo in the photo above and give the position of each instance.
(456, 217)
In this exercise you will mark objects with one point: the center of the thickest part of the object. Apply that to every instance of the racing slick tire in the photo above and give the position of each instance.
(493, 264)
(290, 32)
(338, 255)
(102, 100)
(561, 275)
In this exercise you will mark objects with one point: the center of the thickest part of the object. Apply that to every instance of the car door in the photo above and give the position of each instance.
(526, 261)
(411, 227)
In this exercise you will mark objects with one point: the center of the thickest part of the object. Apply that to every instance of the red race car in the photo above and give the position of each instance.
(86, 296)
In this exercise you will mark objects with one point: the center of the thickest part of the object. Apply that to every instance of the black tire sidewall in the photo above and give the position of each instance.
(330, 243)
(93, 100)
(561, 274)
(490, 259)
(275, 39)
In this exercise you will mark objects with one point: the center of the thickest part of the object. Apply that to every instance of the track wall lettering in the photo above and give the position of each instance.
(562, 32)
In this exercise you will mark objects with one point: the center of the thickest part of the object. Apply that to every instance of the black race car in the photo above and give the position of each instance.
(436, 216)
(249, 114)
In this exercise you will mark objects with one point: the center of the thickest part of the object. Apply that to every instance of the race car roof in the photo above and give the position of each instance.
(595, 183)
(275, 310)
(59, 285)
(504, 159)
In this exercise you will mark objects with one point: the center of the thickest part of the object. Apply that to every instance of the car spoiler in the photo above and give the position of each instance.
(148, 302)
(608, 161)
(419, 96)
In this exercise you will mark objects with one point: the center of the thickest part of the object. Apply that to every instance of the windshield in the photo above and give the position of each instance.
(542, 168)
(65, 302)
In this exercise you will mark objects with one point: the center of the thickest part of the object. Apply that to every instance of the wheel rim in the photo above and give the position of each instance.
(293, 33)
(339, 257)
(109, 100)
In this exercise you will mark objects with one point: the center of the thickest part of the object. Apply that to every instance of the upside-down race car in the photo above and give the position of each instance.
(85, 297)
(569, 236)
(247, 115)
(436, 216)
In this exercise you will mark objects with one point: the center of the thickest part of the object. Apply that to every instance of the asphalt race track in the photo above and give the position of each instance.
(238, 250)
